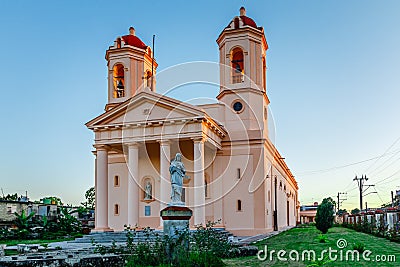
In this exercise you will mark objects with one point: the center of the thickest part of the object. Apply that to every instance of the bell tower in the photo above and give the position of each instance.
(243, 47)
(243, 80)
(131, 68)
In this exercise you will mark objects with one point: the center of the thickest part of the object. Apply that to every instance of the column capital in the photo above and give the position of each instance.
(201, 139)
(132, 144)
(101, 147)
(164, 142)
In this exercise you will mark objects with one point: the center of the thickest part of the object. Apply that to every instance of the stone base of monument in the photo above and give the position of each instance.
(176, 219)
(176, 223)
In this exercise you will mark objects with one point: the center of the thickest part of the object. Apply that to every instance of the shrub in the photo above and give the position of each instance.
(360, 247)
(203, 247)
(324, 217)
(206, 239)
(322, 239)
(394, 235)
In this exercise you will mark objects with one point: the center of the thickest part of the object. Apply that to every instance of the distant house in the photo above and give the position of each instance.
(308, 213)
(9, 207)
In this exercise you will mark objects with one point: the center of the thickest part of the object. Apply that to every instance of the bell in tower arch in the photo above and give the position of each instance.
(120, 89)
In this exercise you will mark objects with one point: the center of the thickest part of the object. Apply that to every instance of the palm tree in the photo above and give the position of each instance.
(22, 220)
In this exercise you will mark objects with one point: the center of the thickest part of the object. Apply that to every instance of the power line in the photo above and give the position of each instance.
(387, 150)
(313, 172)
(382, 180)
(355, 187)
(384, 164)
(379, 196)
(348, 186)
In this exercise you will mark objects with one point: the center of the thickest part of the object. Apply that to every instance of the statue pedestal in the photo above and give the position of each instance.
(176, 219)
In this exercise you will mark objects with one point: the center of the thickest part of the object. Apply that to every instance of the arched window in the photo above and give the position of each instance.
(116, 181)
(239, 205)
(119, 81)
(147, 81)
(237, 64)
(116, 209)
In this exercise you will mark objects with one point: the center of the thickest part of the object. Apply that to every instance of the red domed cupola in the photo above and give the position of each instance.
(242, 21)
(133, 40)
(246, 20)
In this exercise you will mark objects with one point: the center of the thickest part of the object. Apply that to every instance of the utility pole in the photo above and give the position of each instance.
(366, 205)
(339, 200)
(361, 184)
(392, 199)
(152, 65)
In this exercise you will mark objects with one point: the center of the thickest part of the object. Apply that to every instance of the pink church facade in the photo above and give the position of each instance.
(236, 176)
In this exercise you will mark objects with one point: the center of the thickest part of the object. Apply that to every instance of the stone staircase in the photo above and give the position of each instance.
(119, 237)
(138, 236)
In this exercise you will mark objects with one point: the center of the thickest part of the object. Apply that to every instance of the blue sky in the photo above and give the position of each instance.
(333, 82)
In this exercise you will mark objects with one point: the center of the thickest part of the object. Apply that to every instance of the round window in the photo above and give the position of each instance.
(237, 106)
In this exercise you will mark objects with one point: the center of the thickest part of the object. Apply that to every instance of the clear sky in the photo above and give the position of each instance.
(333, 81)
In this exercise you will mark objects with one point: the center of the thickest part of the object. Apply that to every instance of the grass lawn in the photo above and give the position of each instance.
(301, 239)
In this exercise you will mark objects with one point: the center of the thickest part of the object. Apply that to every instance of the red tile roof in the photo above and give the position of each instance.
(134, 41)
(248, 21)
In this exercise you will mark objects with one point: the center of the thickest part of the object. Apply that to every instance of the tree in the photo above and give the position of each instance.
(13, 197)
(22, 220)
(341, 212)
(355, 211)
(90, 196)
(68, 223)
(324, 217)
(23, 223)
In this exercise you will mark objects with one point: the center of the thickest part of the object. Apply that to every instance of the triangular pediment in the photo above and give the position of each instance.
(144, 107)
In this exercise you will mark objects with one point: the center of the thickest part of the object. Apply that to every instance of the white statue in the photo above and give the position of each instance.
(147, 191)
(178, 172)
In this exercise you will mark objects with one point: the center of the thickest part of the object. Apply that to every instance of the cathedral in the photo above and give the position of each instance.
(234, 174)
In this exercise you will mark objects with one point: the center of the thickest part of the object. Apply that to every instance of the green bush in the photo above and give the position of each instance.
(360, 247)
(394, 235)
(324, 217)
(203, 247)
(322, 239)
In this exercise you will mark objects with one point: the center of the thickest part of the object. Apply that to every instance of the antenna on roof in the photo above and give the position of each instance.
(152, 64)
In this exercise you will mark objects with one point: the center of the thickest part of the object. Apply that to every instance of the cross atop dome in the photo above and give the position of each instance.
(246, 20)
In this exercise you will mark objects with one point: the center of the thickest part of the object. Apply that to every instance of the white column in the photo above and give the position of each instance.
(199, 194)
(133, 184)
(101, 185)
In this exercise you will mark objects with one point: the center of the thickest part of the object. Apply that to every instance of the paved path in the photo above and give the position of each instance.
(251, 239)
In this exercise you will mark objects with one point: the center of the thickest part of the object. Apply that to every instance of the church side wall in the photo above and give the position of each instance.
(234, 189)
(117, 194)
(256, 188)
